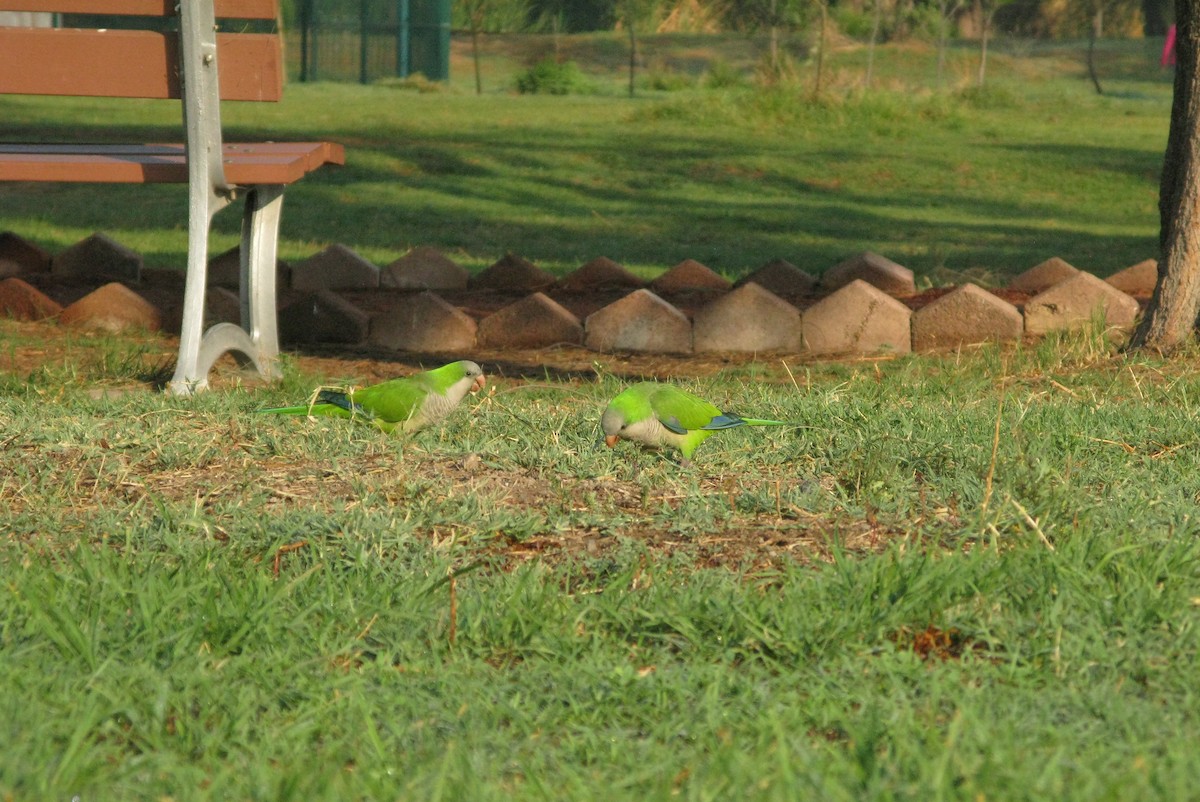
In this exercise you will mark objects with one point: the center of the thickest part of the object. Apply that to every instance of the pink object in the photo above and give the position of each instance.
(1168, 54)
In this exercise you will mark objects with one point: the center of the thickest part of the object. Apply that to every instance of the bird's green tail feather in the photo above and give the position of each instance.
(326, 404)
(316, 410)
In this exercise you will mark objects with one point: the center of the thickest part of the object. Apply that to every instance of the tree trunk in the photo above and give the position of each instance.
(1155, 14)
(986, 22)
(774, 50)
(557, 22)
(877, 17)
(1170, 319)
(1097, 25)
(821, 50)
(774, 39)
(632, 56)
(475, 58)
(943, 5)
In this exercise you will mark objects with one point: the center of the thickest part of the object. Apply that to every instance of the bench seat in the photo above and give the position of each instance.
(246, 163)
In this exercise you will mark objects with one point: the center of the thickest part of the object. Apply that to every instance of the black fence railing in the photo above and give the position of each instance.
(339, 40)
(365, 40)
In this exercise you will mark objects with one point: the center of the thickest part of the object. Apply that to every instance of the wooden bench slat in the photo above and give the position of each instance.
(239, 9)
(245, 163)
(70, 61)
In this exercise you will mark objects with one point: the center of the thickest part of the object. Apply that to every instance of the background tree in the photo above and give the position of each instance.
(489, 16)
(552, 16)
(1095, 31)
(1171, 317)
(822, 29)
(947, 11)
(876, 23)
(576, 16)
(1117, 17)
(986, 12)
(773, 23)
(1156, 16)
(635, 14)
(779, 18)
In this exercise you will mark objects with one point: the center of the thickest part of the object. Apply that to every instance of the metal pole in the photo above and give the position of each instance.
(403, 59)
(314, 39)
(305, 22)
(443, 66)
(362, 42)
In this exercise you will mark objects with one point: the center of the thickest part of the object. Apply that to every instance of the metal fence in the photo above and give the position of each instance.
(338, 40)
(365, 40)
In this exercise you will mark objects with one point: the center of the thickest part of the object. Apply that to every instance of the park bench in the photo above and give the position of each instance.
(174, 53)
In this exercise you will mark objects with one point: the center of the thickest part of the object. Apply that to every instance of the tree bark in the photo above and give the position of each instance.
(1097, 25)
(1155, 14)
(943, 5)
(1170, 319)
(774, 39)
(824, 4)
(475, 58)
(632, 57)
(876, 19)
(986, 19)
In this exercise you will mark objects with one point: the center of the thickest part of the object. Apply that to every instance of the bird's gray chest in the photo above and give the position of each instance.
(650, 432)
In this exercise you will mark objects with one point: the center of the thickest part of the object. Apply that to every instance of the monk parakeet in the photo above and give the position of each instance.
(407, 404)
(659, 415)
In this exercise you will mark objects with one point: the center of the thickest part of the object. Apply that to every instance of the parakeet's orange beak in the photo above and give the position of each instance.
(480, 381)
(611, 440)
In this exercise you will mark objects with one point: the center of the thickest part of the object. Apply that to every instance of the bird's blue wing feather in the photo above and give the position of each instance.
(726, 420)
(339, 399)
(672, 423)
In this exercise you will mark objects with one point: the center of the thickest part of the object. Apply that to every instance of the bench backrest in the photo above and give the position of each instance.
(152, 63)
(137, 63)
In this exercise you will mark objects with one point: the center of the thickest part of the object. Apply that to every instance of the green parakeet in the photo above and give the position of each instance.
(408, 404)
(659, 415)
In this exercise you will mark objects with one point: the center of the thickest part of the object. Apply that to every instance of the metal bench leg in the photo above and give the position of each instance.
(189, 374)
(260, 237)
(256, 341)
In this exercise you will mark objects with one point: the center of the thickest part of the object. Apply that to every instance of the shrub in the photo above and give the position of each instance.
(666, 80)
(722, 75)
(855, 24)
(784, 70)
(989, 97)
(550, 77)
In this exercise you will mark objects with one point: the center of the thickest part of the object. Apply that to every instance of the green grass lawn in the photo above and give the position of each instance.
(894, 602)
(966, 576)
